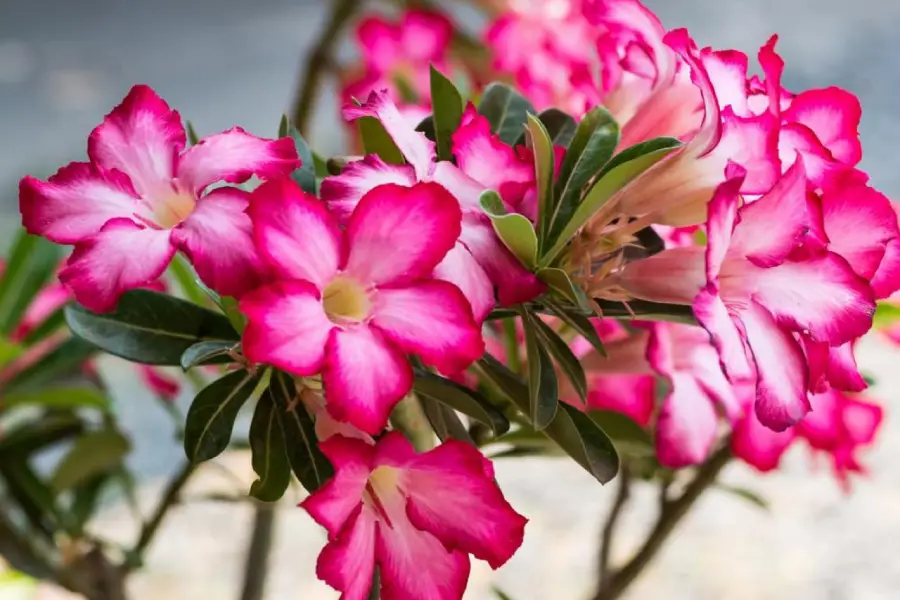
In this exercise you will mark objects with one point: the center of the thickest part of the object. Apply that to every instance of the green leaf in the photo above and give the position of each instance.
(32, 495)
(305, 174)
(506, 110)
(192, 136)
(560, 126)
(31, 263)
(269, 453)
(626, 434)
(93, 453)
(307, 461)
(444, 421)
(543, 394)
(591, 148)
(542, 148)
(461, 398)
(513, 229)
(85, 501)
(149, 328)
(65, 360)
(9, 351)
(426, 126)
(60, 397)
(210, 420)
(647, 311)
(745, 494)
(578, 322)
(886, 314)
(447, 105)
(501, 595)
(34, 436)
(229, 307)
(376, 140)
(559, 281)
(50, 325)
(618, 172)
(207, 353)
(563, 355)
(187, 280)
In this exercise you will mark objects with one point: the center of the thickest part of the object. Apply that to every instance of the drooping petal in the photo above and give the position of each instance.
(286, 327)
(121, 257)
(364, 377)
(431, 319)
(295, 232)
(722, 217)
(476, 518)
(217, 237)
(163, 385)
(759, 446)
(77, 202)
(334, 504)
(142, 138)
(673, 276)
(886, 280)
(686, 427)
(234, 156)
(343, 192)
(782, 374)
(834, 115)
(461, 269)
(712, 315)
(347, 562)
(632, 395)
(751, 142)
(399, 234)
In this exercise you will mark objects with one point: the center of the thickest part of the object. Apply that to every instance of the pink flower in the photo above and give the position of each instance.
(389, 506)
(479, 261)
(350, 304)
(141, 198)
(159, 382)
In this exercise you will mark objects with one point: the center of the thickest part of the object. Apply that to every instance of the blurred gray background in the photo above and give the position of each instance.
(65, 63)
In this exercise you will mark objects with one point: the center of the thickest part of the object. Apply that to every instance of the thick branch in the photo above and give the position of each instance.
(256, 567)
(609, 527)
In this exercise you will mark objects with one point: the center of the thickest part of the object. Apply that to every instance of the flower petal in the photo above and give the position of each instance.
(721, 220)
(121, 257)
(343, 192)
(364, 377)
(886, 280)
(482, 156)
(425, 35)
(295, 232)
(674, 276)
(632, 395)
(432, 320)
(466, 190)
(142, 138)
(686, 427)
(217, 237)
(379, 40)
(234, 156)
(77, 202)
(833, 115)
(334, 504)
(712, 315)
(399, 234)
(347, 562)
(759, 446)
(286, 327)
(461, 269)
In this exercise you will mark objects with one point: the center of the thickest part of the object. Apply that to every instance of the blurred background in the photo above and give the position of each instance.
(64, 64)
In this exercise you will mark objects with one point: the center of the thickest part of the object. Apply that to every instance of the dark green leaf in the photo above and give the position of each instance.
(508, 382)
(559, 282)
(376, 140)
(500, 594)
(506, 110)
(542, 148)
(745, 494)
(629, 437)
(563, 356)
(50, 325)
(284, 126)
(34, 436)
(31, 263)
(307, 461)
(207, 353)
(35, 499)
(149, 327)
(591, 148)
(210, 420)
(269, 453)
(59, 397)
(93, 453)
(560, 126)
(543, 394)
(65, 360)
(427, 127)
(85, 501)
(444, 421)
(647, 311)
(447, 105)
(320, 165)
(305, 174)
(192, 136)
(461, 398)
(579, 323)
(513, 229)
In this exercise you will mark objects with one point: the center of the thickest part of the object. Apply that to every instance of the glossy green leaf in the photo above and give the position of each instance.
(65, 360)
(269, 452)
(621, 170)
(444, 421)
(31, 263)
(376, 140)
(513, 229)
(578, 322)
(210, 420)
(59, 397)
(562, 355)
(559, 282)
(560, 126)
(647, 311)
(92, 454)
(543, 392)
(306, 460)
(591, 148)
(149, 327)
(629, 437)
(305, 174)
(207, 353)
(506, 110)
(447, 106)
(745, 494)
(427, 127)
(461, 398)
(542, 148)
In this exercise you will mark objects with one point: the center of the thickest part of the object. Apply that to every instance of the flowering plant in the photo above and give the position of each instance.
(643, 259)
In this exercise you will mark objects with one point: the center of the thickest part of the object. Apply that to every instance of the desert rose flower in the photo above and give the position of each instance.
(390, 507)
(351, 303)
(142, 197)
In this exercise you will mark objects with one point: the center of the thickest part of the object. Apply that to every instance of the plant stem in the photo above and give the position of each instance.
(511, 345)
(671, 514)
(409, 417)
(609, 527)
(318, 61)
(256, 567)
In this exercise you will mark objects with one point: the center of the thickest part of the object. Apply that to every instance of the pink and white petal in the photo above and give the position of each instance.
(234, 156)
(343, 192)
(796, 140)
(727, 70)
(425, 35)
(842, 372)
(782, 374)
(461, 269)
(77, 202)
(713, 316)
(758, 445)
(821, 296)
(674, 276)
(431, 319)
(752, 142)
(834, 115)
(687, 424)
(466, 190)
(142, 138)
(218, 239)
(415, 147)
(483, 157)
(335, 503)
(123, 256)
(364, 377)
(722, 216)
(710, 130)
(399, 234)
(886, 280)
(295, 232)
(347, 562)
(286, 327)
(476, 518)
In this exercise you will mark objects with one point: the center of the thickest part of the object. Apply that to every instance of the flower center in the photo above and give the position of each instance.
(173, 208)
(383, 491)
(345, 301)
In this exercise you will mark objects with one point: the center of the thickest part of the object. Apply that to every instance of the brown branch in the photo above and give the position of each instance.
(256, 566)
(609, 527)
